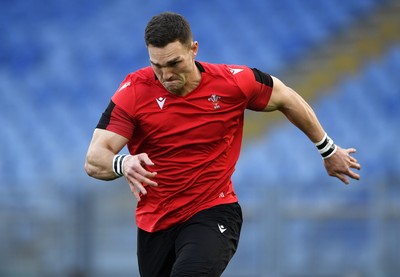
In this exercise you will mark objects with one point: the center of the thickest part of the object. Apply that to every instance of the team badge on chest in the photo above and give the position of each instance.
(215, 100)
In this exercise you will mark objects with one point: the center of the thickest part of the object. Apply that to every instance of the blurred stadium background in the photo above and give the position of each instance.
(60, 61)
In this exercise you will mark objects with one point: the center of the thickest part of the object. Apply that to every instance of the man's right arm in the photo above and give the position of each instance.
(102, 149)
(99, 162)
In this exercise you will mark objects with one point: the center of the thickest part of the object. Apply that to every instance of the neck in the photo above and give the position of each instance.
(192, 83)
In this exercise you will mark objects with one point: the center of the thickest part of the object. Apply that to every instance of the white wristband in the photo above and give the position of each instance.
(326, 147)
(118, 164)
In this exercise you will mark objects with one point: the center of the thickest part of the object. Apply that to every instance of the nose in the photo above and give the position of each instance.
(166, 73)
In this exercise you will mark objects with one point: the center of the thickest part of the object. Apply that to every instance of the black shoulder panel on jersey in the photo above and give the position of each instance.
(200, 66)
(262, 77)
(106, 116)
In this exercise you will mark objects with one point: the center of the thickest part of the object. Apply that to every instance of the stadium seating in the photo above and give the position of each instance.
(361, 111)
(62, 70)
(61, 61)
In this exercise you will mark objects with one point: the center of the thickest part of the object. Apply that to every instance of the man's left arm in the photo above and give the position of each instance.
(296, 109)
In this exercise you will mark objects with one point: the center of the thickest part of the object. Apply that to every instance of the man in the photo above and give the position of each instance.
(182, 121)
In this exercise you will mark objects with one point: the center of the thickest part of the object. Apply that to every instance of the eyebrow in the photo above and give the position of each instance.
(168, 63)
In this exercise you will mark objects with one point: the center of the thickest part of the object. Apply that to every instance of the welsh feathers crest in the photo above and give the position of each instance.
(215, 100)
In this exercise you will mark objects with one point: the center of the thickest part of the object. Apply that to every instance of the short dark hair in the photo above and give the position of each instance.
(167, 27)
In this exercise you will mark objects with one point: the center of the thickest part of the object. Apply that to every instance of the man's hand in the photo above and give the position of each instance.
(340, 164)
(136, 175)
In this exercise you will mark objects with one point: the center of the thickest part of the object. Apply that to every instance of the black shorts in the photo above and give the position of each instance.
(201, 246)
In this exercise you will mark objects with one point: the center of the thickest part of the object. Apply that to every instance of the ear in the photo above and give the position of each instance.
(195, 48)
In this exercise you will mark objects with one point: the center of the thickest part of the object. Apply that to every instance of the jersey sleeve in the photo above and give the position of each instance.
(119, 116)
(257, 86)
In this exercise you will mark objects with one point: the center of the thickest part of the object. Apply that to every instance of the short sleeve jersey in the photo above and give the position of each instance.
(193, 140)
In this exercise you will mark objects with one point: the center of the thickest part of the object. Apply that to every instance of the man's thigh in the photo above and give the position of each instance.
(156, 253)
(206, 243)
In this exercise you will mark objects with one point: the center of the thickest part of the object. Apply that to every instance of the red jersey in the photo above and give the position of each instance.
(193, 140)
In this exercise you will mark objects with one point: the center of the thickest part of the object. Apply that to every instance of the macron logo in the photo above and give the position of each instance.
(124, 86)
(235, 70)
(160, 101)
(221, 228)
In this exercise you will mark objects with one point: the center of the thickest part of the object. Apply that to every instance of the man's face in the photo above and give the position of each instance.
(174, 65)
